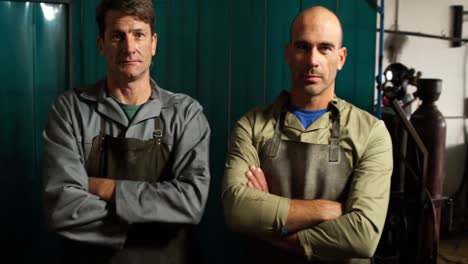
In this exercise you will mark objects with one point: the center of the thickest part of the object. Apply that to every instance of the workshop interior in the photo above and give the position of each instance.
(407, 64)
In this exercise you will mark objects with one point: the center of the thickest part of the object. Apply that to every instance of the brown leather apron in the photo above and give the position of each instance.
(299, 170)
(123, 158)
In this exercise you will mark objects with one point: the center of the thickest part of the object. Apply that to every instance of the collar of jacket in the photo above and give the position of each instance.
(335, 107)
(109, 108)
(283, 99)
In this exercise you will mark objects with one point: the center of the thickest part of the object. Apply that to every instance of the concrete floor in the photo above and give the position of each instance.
(453, 249)
(453, 246)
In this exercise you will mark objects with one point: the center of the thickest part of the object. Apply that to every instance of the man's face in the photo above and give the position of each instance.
(128, 46)
(314, 55)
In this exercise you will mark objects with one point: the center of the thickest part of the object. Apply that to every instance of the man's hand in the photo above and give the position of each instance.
(256, 178)
(104, 188)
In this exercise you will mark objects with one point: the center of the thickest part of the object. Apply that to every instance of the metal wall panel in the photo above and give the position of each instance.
(50, 79)
(356, 81)
(34, 71)
(50, 62)
(158, 67)
(17, 155)
(279, 17)
(229, 55)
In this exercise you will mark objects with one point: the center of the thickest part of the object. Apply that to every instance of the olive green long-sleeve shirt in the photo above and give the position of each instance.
(368, 147)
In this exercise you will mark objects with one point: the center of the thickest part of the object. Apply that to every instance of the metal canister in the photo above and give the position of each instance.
(431, 127)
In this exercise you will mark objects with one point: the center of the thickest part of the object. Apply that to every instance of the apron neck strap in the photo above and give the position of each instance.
(102, 130)
(335, 119)
(275, 142)
(334, 146)
(157, 132)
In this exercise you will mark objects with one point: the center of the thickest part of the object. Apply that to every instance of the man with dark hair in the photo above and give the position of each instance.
(126, 163)
(143, 10)
(308, 177)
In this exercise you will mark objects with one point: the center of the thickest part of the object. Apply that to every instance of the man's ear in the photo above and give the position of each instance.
(154, 44)
(100, 45)
(342, 52)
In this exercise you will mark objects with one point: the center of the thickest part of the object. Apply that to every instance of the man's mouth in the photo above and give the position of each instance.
(311, 77)
(129, 62)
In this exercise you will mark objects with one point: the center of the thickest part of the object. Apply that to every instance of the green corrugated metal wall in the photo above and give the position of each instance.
(33, 72)
(227, 54)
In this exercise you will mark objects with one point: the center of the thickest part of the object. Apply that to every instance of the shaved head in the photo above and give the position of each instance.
(315, 15)
(315, 54)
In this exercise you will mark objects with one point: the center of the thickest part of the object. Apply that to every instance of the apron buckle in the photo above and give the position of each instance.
(157, 133)
(334, 141)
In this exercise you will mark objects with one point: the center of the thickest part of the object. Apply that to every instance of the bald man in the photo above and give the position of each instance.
(307, 178)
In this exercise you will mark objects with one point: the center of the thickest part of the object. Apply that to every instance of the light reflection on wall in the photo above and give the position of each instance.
(49, 11)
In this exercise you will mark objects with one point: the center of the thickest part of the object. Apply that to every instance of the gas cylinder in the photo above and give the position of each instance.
(431, 126)
(399, 139)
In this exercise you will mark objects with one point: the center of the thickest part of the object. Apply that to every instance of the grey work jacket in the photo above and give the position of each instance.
(74, 121)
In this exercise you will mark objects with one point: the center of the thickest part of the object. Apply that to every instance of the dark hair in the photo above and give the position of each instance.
(142, 9)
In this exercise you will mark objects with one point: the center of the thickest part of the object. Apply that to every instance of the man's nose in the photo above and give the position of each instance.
(313, 57)
(129, 44)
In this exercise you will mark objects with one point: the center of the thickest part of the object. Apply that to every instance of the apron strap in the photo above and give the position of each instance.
(103, 127)
(276, 140)
(334, 146)
(157, 132)
(101, 142)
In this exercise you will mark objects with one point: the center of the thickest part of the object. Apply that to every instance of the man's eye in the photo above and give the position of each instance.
(302, 46)
(139, 35)
(325, 48)
(116, 37)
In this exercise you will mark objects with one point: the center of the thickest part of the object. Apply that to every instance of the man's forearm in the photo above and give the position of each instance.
(104, 188)
(302, 213)
(306, 213)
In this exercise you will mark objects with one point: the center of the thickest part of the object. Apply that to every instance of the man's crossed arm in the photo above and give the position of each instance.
(302, 214)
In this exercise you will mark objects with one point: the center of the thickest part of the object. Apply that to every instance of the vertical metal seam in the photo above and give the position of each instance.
(97, 57)
(381, 10)
(168, 11)
(81, 43)
(34, 90)
(397, 11)
(229, 75)
(357, 52)
(197, 52)
(265, 48)
(70, 44)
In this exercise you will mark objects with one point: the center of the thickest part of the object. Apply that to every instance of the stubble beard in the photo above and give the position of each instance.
(314, 89)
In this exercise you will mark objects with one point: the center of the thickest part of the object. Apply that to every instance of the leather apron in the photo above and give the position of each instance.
(299, 170)
(123, 158)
